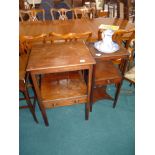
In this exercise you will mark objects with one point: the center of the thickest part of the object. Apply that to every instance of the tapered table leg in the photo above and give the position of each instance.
(42, 109)
(89, 91)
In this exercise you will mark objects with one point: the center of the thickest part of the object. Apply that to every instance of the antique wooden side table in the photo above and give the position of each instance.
(47, 60)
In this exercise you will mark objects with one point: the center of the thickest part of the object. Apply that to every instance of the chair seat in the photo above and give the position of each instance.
(106, 73)
(62, 89)
(130, 75)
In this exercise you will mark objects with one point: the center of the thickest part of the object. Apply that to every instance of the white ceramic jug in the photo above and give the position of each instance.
(106, 45)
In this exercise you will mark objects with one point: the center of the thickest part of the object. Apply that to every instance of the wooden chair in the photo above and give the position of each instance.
(32, 15)
(123, 38)
(131, 50)
(127, 39)
(25, 15)
(83, 12)
(29, 41)
(23, 82)
(130, 75)
(61, 14)
(120, 35)
(55, 37)
(26, 43)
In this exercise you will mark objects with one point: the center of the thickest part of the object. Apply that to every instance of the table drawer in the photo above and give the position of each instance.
(64, 102)
(109, 81)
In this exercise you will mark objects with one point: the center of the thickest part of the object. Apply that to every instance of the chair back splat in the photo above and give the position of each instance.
(32, 15)
(61, 14)
(125, 36)
(54, 37)
(84, 12)
(29, 41)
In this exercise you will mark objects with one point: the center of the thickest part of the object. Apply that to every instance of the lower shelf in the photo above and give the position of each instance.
(99, 93)
(63, 89)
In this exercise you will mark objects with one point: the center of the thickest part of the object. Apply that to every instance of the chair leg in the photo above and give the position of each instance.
(31, 108)
(117, 94)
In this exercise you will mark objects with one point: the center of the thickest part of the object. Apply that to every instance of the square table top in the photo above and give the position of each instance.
(59, 56)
